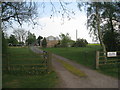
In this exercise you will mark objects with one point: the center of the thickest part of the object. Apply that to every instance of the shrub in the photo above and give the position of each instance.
(80, 43)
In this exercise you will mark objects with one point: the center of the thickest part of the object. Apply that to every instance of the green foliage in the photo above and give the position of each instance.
(21, 43)
(102, 16)
(31, 38)
(112, 41)
(65, 39)
(80, 43)
(44, 43)
(12, 40)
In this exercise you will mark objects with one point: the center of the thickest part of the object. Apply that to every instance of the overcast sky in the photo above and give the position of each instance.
(54, 26)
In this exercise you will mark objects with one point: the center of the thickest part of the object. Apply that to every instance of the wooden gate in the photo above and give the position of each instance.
(103, 58)
(42, 65)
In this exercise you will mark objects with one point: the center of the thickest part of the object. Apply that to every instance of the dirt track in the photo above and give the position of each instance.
(94, 79)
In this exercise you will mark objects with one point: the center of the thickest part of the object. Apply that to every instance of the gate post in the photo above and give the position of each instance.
(8, 65)
(97, 60)
(49, 62)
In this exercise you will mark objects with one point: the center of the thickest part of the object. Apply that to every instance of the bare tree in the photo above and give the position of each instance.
(20, 34)
(27, 11)
(19, 12)
(61, 9)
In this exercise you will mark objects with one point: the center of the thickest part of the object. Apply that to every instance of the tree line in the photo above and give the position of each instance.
(21, 37)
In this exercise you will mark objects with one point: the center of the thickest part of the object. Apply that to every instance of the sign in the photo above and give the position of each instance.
(111, 54)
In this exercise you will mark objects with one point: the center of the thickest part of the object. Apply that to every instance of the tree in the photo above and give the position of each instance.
(58, 44)
(93, 23)
(112, 41)
(12, 40)
(64, 39)
(39, 39)
(27, 11)
(44, 42)
(20, 34)
(111, 13)
(100, 17)
(31, 38)
(80, 43)
(18, 11)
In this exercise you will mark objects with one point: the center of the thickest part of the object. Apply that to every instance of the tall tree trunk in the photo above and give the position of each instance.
(99, 31)
(111, 24)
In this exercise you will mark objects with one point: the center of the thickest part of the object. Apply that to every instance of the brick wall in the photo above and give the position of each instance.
(51, 43)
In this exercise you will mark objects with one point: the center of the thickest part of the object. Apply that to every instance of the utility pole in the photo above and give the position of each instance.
(76, 34)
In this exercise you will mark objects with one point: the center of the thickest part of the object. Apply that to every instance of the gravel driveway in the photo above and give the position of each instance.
(94, 79)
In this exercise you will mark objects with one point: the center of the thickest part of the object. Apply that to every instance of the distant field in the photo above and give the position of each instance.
(85, 56)
(25, 56)
(93, 44)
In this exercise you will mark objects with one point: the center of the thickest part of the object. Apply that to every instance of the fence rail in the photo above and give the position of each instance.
(44, 64)
(102, 59)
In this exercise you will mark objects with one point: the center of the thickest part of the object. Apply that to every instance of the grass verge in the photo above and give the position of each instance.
(72, 69)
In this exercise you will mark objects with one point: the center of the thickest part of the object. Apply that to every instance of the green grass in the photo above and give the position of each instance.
(85, 56)
(22, 56)
(25, 56)
(82, 55)
(72, 69)
(35, 81)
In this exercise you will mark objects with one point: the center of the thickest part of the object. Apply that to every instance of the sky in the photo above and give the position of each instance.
(55, 26)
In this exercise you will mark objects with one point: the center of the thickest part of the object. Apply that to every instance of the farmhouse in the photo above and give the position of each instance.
(51, 41)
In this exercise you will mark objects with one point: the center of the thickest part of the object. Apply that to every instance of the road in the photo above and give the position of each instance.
(94, 79)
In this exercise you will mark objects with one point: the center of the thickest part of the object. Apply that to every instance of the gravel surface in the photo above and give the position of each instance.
(94, 79)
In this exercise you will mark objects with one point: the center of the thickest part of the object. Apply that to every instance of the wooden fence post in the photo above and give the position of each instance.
(8, 66)
(49, 62)
(97, 60)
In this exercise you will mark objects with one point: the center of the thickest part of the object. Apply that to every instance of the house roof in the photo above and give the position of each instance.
(52, 38)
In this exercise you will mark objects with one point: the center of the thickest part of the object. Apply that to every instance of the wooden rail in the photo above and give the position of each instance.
(46, 58)
(108, 61)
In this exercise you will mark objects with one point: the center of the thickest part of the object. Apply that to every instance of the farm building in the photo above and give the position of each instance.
(51, 41)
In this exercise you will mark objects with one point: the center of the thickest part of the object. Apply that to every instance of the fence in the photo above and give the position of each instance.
(107, 58)
(27, 65)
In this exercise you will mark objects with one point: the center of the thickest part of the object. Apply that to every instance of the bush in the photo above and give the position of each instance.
(80, 43)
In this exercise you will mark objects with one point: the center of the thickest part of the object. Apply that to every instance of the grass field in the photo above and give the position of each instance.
(25, 56)
(85, 56)
(82, 55)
